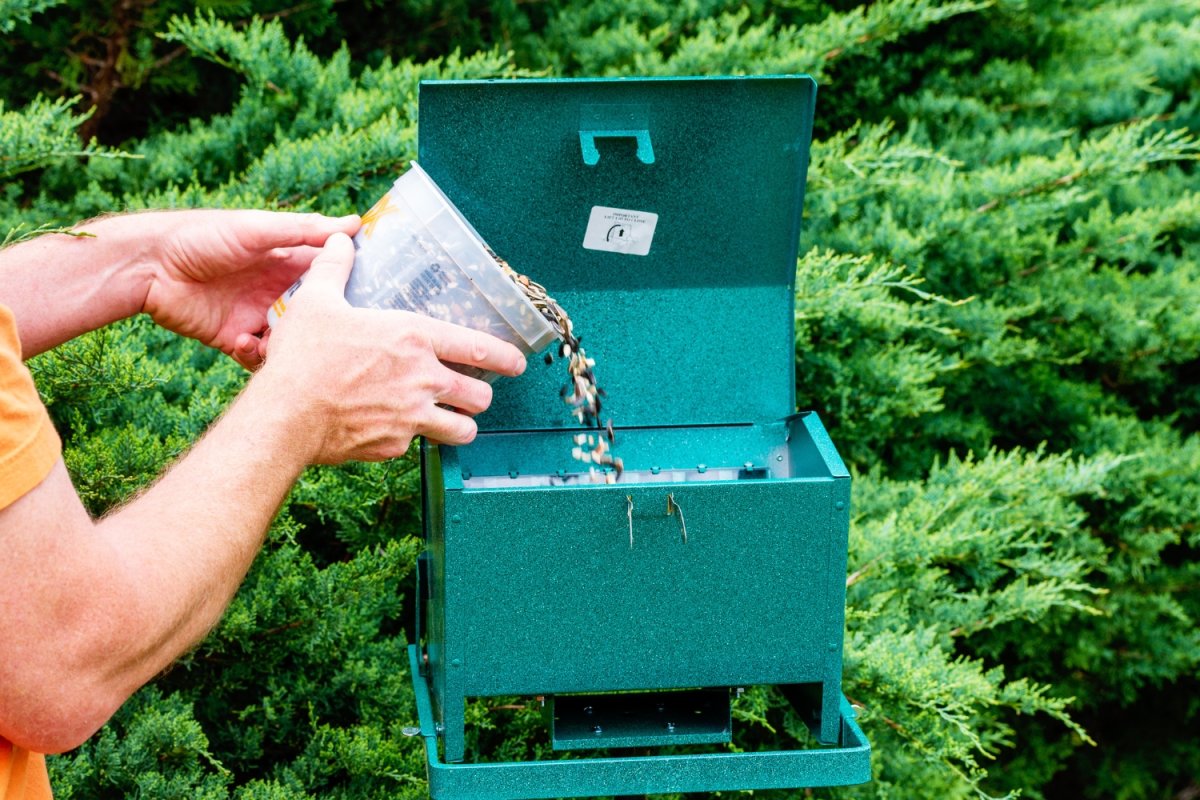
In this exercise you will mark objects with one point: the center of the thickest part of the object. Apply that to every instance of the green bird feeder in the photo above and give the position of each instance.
(664, 216)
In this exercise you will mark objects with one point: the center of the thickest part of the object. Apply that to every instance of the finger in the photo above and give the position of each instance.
(262, 345)
(460, 345)
(449, 427)
(264, 230)
(294, 259)
(246, 351)
(331, 268)
(468, 395)
(283, 266)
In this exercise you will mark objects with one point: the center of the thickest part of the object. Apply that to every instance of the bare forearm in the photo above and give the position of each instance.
(187, 542)
(60, 286)
(91, 611)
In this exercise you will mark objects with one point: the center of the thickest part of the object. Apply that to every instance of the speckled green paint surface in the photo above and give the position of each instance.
(847, 763)
(699, 330)
(540, 589)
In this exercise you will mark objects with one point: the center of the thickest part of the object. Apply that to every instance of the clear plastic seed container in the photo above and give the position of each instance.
(416, 252)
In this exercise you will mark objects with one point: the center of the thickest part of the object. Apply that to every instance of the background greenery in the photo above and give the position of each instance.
(998, 317)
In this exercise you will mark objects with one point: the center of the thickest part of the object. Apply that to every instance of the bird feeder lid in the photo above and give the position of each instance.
(662, 213)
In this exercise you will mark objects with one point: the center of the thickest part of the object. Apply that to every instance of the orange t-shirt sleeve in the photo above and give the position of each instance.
(29, 448)
(29, 445)
(22, 774)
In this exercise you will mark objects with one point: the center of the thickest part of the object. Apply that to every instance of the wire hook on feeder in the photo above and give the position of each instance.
(629, 513)
(672, 506)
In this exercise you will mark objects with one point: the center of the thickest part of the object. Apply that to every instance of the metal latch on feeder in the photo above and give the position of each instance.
(673, 510)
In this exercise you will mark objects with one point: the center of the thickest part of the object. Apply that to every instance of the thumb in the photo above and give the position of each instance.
(331, 268)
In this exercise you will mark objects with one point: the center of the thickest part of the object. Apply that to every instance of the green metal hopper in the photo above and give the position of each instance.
(664, 215)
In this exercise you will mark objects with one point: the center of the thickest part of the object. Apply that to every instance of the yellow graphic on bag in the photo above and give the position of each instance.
(377, 212)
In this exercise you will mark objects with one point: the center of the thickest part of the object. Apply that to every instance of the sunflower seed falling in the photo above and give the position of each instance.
(580, 392)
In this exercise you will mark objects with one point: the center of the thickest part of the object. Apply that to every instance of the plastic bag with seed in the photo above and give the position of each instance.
(416, 252)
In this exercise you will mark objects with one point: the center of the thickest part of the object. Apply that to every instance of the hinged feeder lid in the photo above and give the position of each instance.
(664, 216)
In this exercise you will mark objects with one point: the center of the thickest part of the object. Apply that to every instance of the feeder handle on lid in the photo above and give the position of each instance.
(614, 121)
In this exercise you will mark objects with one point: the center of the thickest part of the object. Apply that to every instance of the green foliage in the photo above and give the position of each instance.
(859, 354)
(997, 316)
(623, 37)
(40, 133)
(153, 747)
(14, 11)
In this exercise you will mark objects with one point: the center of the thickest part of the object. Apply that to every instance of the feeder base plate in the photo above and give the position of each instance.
(845, 764)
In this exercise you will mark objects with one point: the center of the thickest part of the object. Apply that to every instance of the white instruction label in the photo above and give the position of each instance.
(619, 230)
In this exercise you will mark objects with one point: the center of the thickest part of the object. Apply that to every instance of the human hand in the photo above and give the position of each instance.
(366, 382)
(215, 273)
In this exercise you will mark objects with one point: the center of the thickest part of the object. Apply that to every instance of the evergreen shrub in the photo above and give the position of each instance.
(997, 316)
